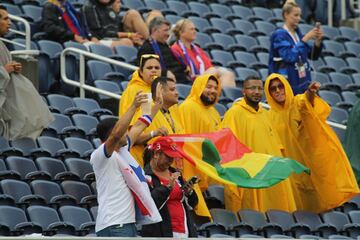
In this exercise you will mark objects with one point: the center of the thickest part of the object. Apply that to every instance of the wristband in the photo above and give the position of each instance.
(129, 35)
(146, 119)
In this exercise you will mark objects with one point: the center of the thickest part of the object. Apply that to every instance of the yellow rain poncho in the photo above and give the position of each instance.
(135, 85)
(198, 118)
(253, 128)
(308, 139)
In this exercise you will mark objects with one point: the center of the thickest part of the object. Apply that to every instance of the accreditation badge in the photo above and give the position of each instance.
(301, 70)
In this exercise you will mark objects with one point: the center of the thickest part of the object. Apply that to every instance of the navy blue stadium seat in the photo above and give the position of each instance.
(49, 220)
(34, 12)
(227, 42)
(127, 53)
(249, 60)
(100, 70)
(247, 28)
(243, 73)
(64, 103)
(331, 98)
(64, 127)
(265, 27)
(225, 26)
(320, 77)
(81, 191)
(202, 9)
(82, 146)
(56, 169)
(91, 106)
(26, 168)
(56, 147)
(78, 217)
(258, 221)
(287, 223)
(353, 47)
(85, 122)
(13, 221)
(349, 32)
(21, 193)
(81, 167)
(29, 147)
(52, 193)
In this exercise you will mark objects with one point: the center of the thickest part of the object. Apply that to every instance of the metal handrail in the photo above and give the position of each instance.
(26, 34)
(81, 83)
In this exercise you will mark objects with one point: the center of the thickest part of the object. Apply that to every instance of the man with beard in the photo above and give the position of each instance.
(251, 124)
(198, 111)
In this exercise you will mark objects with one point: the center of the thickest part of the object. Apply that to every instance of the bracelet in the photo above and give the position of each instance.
(129, 35)
(152, 134)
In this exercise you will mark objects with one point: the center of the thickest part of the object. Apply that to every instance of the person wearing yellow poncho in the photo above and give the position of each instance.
(250, 123)
(141, 81)
(301, 124)
(199, 115)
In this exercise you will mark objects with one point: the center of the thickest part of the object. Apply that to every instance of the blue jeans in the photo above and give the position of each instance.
(123, 230)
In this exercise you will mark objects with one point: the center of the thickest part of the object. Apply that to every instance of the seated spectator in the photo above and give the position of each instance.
(171, 194)
(159, 29)
(62, 22)
(104, 21)
(193, 57)
(22, 111)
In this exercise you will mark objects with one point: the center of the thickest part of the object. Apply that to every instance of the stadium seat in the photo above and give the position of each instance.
(221, 109)
(101, 70)
(227, 42)
(338, 115)
(84, 147)
(349, 97)
(258, 221)
(342, 223)
(127, 53)
(353, 47)
(232, 93)
(320, 77)
(350, 33)
(26, 168)
(6, 150)
(29, 148)
(86, 122)
(183, 90)
(52, 193)
(229, 219)
(78, 217)
(56, 169)
(202, 9)
(340, 65)
(243, 73)
(81, 191)
(49, 220)
(64, 127)
(64, 103)
(7, 174)
(225, 58)
(331, 98)
(203, 25)
(214, 196)
(354, 63)
(247, 28)
(21, 193)
(265, 27)
(249, 60)
(81, 167)
(33, 12)
(287, 223)
(56, 147)
(91, 107)
(225, 26)
(13, 221)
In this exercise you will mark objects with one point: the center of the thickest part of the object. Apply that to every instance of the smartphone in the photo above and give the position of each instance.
(193, 180)
(317, 24)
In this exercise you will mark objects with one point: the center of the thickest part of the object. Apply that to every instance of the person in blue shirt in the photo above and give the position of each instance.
(290, 49)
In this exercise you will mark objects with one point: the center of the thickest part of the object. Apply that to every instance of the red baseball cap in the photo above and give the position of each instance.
(167, 146)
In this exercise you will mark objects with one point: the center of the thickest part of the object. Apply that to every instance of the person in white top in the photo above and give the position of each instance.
(116, 212)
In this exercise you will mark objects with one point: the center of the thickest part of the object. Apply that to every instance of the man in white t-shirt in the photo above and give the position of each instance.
(116, 212)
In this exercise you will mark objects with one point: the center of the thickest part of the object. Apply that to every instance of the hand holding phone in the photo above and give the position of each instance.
(188, 185)
(317, 25)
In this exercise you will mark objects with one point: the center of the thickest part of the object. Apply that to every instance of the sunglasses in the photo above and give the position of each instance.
(146, 57)
(275, 87)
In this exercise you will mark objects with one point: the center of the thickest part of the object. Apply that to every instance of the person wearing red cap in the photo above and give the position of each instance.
(173, 197)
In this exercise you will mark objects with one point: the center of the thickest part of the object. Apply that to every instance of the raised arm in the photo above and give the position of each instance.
(145, 121)
(312, 91)
(116, 139)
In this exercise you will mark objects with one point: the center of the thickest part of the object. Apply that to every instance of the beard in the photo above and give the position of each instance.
(206, 101)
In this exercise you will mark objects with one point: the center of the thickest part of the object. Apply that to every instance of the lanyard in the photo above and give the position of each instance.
(156, 48)
(169, 119)
(194, 70)
(295, 38)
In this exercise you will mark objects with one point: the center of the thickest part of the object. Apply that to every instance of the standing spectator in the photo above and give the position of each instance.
(116, 212)
(251, 124)
(290, 49)
(22, 111)
(159, 29)
(300, 122)
(103, 19)
(172, 196)
(194, 58)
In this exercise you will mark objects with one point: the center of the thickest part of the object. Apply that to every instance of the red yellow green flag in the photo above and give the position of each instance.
(224, 158)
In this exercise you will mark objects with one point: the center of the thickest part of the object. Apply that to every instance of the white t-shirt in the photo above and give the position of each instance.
(116, 203)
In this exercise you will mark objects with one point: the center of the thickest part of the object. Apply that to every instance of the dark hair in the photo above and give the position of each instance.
(162, 80)
(251, 77)
(156, 22)
(104, 128)
(212, 77)
(148, 154)
(145, 57)
(2, 7)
